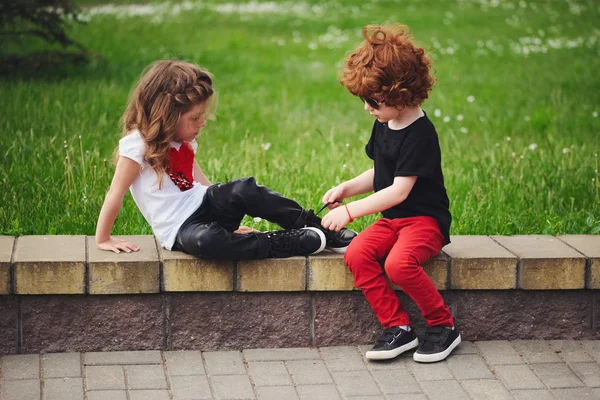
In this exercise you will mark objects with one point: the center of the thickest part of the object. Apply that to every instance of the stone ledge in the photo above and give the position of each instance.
(73, 265)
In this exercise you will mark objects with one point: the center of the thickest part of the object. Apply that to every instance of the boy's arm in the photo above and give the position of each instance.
(363, 183)
(377, 202)
(125, 173)
(199, 175)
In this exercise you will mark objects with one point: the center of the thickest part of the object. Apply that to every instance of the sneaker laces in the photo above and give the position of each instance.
(284, 240)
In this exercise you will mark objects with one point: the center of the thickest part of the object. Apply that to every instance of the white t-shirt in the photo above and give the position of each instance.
(165, 209)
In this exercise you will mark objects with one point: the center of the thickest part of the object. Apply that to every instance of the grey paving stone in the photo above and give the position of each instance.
(401, 362)
(355, 383)
(104, 377)
(21, 367)
(269, 373)
(146, 377)
(190, 387)
(596, 391)
(63, 388)
(570, 350)
(532, 395)
(59, 365)
(122, 357)
(496, 352)
(224, 363)
(556, 375)
(406, 396)
(470, 366)
(486, 389)
(518, 377)
(447, 390)
(536, 351)
(466, 347)
(232, 387)
(107, 395)
(149, 395)
(592, 347)
(318, 392)
(344, 358)
(24, 389)
(396, 381)
(308, 372)
(365, 397)
(184, 363)
(430, 372)
(281, 354)
(589, 373)
(572, 394)
(277, 393)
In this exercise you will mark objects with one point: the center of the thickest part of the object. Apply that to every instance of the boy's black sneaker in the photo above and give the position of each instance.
(393, 342)
(337, 242)
(438, 343)
(295, 242)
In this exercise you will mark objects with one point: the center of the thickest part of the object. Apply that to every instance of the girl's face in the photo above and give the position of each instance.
(383, 113)
(191, 122)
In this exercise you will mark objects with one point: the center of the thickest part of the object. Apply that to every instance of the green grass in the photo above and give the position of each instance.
(59, 128)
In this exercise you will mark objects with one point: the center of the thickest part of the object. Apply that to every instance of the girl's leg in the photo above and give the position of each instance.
(210, 240)
(363, 257)
(419, 239)
(229, 202)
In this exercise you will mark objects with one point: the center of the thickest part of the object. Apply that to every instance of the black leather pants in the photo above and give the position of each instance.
(208, 232)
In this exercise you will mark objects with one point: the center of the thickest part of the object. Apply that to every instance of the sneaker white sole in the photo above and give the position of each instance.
(338, 250)
(430, 358)
(323, 239)
(387, 355)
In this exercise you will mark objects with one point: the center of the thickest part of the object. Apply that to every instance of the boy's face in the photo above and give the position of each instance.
(383, 113)
(191, 122)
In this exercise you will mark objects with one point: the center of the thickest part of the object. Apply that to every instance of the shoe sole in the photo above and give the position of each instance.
(338, 250)
(323, 240)
(389, 354)
(430, 358)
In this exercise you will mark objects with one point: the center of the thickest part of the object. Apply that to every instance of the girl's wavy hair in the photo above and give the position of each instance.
(389, 64)
(166, 90)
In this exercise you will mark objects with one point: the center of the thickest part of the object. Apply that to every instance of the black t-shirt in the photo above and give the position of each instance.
(411, 151)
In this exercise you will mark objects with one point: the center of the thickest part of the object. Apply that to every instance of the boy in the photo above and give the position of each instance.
(392, 77)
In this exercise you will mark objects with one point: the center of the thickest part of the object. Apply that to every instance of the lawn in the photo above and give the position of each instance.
(516, 107)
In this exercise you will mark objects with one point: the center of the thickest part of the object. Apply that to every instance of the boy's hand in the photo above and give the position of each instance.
(245, 229)
(335, 220)
(118, 245)
(334, 196)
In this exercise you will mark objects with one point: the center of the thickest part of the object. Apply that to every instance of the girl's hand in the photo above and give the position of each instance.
(245, 229)
(335, 220)
(335, 196)
(118, 245)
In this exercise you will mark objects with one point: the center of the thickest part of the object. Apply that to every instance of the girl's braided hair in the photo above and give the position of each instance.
(166, 90)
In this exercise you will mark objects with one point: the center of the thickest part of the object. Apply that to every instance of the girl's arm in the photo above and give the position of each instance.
(199, 175)
(125, 173)
(377, 202)
(363, 183)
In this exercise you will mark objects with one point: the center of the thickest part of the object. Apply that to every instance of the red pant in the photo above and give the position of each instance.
(405, 244)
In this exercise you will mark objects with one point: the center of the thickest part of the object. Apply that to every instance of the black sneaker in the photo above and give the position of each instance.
(337, 242)
(438, 343)
(295, 242)
(393, 342)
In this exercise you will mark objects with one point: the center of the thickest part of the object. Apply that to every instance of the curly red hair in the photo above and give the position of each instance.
(389, 64)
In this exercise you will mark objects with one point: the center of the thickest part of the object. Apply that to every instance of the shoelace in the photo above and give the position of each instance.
(284, 240)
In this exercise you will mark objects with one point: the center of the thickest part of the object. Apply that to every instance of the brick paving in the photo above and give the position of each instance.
(522, 369)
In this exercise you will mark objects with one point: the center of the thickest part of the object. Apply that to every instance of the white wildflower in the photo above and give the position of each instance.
(459, 117)
(508, 139)
(257, 219)
(566, 150)
(446, 119)
(437, 113)
(595, 114)
(266, 146)
(471, 99)
(464, 130)
(532, 146)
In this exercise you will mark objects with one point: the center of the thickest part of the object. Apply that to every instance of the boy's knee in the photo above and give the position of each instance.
(399, 268)
(357, 253)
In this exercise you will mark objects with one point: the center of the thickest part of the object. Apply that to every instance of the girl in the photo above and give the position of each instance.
(391, 76)
(156, 162)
